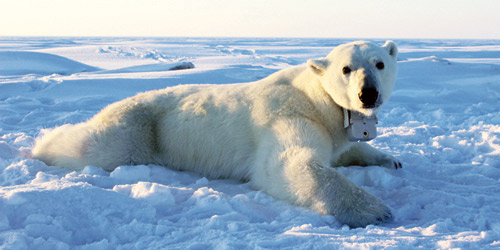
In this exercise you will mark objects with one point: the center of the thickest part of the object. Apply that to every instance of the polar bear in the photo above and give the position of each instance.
(284, 134)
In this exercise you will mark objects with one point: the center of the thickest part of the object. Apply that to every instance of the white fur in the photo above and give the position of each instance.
(283, 133)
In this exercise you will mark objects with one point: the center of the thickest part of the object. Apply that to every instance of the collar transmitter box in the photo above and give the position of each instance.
(360, 127)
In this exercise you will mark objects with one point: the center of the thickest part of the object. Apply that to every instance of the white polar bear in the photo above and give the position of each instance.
(284, 134)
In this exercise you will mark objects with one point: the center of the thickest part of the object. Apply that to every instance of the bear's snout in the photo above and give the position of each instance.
(368, 96)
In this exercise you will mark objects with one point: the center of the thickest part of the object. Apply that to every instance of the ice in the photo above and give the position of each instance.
(442, 122)
(28, 62)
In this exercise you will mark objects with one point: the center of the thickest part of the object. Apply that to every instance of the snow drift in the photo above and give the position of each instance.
(28, 62)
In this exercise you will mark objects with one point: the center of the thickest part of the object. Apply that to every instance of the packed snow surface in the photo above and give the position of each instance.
(442, 122)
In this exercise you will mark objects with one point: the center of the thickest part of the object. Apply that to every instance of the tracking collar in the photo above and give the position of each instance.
(360, 127)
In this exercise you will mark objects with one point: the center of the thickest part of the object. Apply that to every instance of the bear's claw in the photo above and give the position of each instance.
(387, 217)
(398, 165)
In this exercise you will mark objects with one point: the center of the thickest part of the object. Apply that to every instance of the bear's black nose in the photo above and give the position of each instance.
(368, 96)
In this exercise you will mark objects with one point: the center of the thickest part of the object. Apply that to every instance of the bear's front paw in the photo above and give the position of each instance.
(362, 210)
(389, 161)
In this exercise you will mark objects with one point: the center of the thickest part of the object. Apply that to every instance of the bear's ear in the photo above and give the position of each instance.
(391, 48)
(318, 66)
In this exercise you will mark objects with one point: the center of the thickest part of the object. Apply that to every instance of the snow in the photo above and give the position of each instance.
(442, 122)
(27, 62)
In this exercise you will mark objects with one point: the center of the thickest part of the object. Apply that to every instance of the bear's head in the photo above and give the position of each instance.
(359, 76)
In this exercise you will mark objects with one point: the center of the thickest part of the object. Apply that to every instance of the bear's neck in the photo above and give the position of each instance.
(331, 112)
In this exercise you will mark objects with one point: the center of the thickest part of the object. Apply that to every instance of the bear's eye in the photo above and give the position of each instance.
(346, 70)
(380, 65)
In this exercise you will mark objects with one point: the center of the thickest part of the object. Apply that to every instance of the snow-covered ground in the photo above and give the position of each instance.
(442, 122)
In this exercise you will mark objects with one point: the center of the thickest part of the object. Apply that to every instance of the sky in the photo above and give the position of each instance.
(469, 19)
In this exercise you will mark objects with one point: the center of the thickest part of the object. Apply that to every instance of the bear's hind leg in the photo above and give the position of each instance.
(108, 140)
(132, 140)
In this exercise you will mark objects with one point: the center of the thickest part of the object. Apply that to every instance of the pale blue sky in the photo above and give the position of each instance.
(253, 18)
